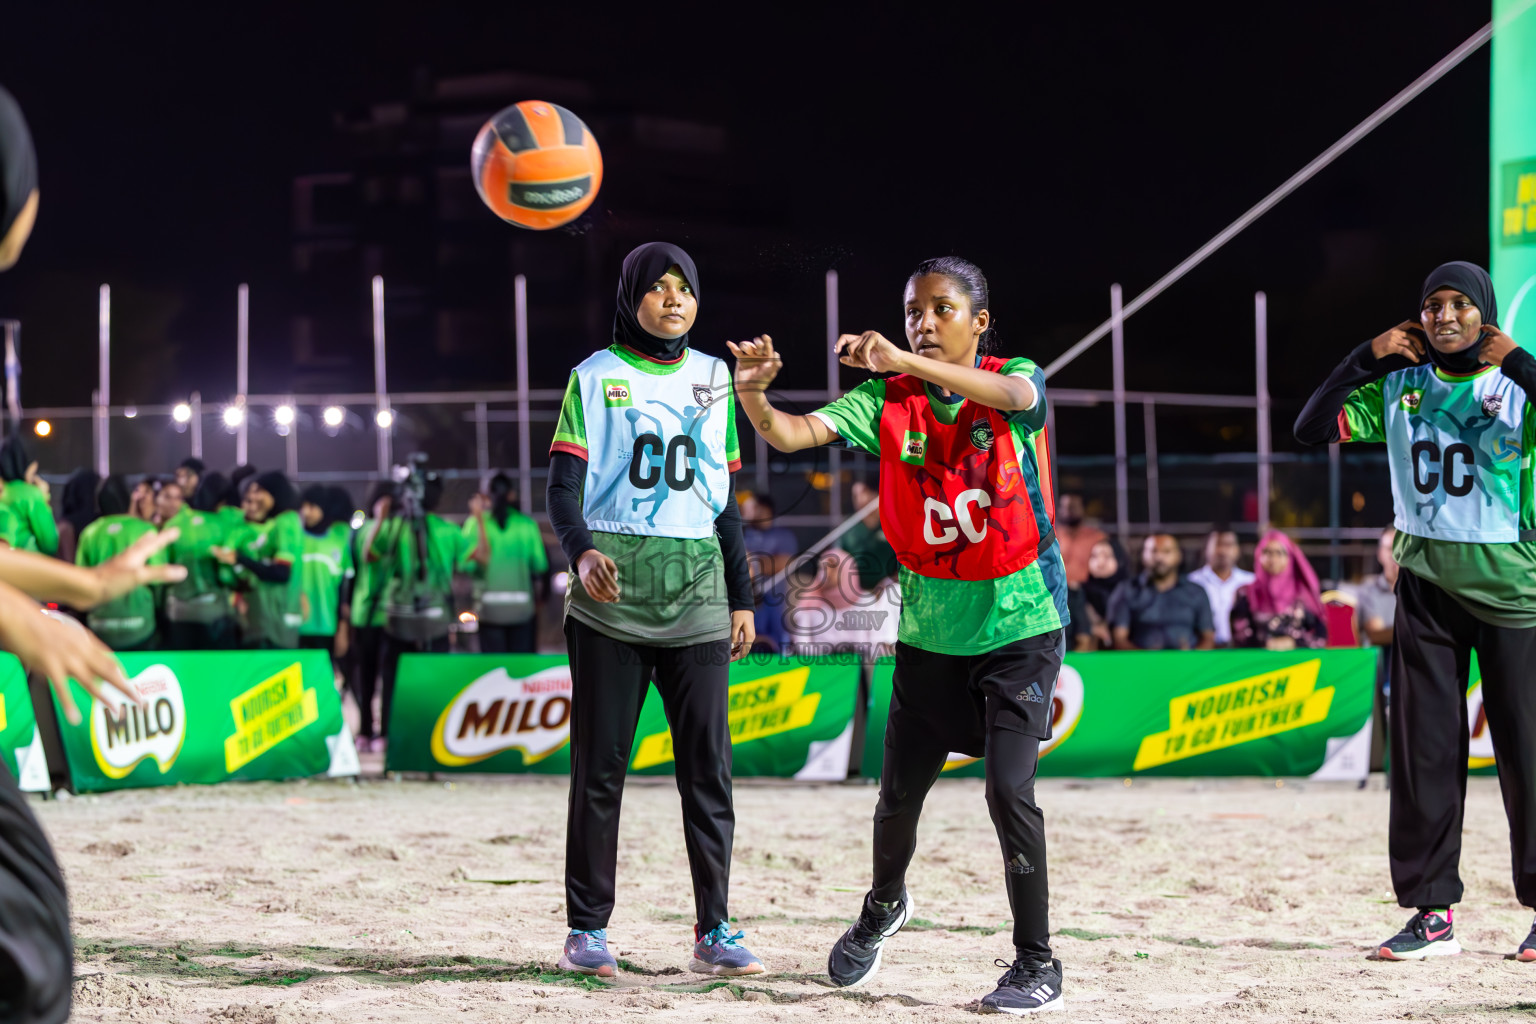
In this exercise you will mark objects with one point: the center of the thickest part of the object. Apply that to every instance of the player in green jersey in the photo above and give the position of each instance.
(1451, 397)
(419, 550)
(198, 613)
(966, 501)
(640, 496)
(128, 623)
(26, 495)
(504, 555)
(327, 569)
(368, 617)
(264, 556)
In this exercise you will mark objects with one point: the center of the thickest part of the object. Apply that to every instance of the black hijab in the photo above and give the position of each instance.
(319, 496)
(276, 484)
(1473, 282)
(643, 267)
(18, 162)
(78, 504)
(113, 499)
(1098, 588)
(212, 488)
(14, 460)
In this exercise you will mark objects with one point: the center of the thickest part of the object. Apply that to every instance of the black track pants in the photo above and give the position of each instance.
(519, 639)
(608, 681)
(36, 953)
(996, 704)
(367, 647)
(1434, 637)
(389, 668)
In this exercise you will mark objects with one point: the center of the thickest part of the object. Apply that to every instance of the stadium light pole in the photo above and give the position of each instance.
(12, 376)
(242, 368)
(482, 446)
(196, 404)
(524, 442)
(292, 452)
(104, 376)
(834, 456)
(1122, 461)
(380, 391)
(1261, 393)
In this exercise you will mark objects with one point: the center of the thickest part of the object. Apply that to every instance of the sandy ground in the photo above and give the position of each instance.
(428, 902)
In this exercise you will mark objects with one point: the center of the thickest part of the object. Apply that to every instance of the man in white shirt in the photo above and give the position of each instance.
(1221, 579)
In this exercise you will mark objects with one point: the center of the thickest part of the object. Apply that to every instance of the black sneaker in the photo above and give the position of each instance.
(1527, 951)
(1427, 933)
(1026, 987)
(856, 956)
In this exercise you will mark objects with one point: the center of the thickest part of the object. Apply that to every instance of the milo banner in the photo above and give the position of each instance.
(211, 717)
(1192, 713)
(21, 748)
(511, 713)
(1512, 167)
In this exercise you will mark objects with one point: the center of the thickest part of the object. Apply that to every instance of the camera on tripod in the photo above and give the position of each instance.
(411, 480)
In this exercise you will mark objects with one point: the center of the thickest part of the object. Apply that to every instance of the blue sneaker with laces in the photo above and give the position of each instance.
(587, 953)
(721, 953)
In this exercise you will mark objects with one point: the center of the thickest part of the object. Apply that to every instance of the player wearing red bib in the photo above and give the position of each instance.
(966, 502)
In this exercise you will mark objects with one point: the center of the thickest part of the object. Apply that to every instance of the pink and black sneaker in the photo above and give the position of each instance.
(1427, 933)
(1527, 951)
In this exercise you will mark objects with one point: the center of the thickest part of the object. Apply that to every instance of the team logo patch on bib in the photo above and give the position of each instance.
(1492, 404)
(616, 393)
(914, 448)
(704, 395)
(1410, 400)
(981, 435)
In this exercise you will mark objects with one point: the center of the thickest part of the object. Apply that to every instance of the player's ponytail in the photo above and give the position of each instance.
(501, 499)
(968, 277)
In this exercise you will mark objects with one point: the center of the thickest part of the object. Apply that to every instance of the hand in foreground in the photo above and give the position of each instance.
(599, 575)
(743, 633)
(1406, 340)
(1495, 346)
(32, 477)
(225, 555)
(129, 570)
(756, 363)
(871, 351)
(60, 649)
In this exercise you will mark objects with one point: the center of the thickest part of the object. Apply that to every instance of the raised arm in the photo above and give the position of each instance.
(757, 364)
(1403, 345)
(873, 351)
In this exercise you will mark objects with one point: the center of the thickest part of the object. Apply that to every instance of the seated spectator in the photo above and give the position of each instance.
(835, 615)
(1282, 609)
(769, 549)
(1376, 601)
(1221, 579)
(1108, 567)
(873, 557)
(1160, 610)
(1075, 537)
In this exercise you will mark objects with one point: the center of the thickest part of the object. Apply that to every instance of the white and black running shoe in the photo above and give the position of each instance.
(1026, 987)
(856, 956)
(1427, 933)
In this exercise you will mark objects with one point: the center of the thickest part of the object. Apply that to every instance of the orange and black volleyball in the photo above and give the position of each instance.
(536, 165)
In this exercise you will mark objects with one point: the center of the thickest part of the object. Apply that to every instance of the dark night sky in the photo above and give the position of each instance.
(1060, 152)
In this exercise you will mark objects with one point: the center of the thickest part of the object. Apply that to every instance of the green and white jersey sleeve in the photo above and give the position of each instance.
(571, 429)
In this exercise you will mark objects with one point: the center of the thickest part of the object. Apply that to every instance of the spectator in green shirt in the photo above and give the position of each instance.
(265, 556)
(419, 596)
(128, 622)
(26, 495)
(368, 615)
(198, 614)
(873, 557)
(327, 569)
(505, 555)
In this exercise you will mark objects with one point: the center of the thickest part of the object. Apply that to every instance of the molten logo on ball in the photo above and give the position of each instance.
(536, 165)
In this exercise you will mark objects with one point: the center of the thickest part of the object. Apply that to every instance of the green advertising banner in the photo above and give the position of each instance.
(1192, 713)
(212, 717)
(1512, 167)
(511, 713)
(21, 748)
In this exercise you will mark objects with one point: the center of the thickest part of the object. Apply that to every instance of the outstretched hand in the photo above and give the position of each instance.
(130, 570)
(1407, 339)
(757, 364)
(1495, 346)
(60, 649)
(871, 351)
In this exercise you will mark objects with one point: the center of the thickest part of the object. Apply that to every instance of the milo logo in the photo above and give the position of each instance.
(616, 393)
(914, 447)
(1479, 740)
(123, 734)
(498, 712)
(1410, 401)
